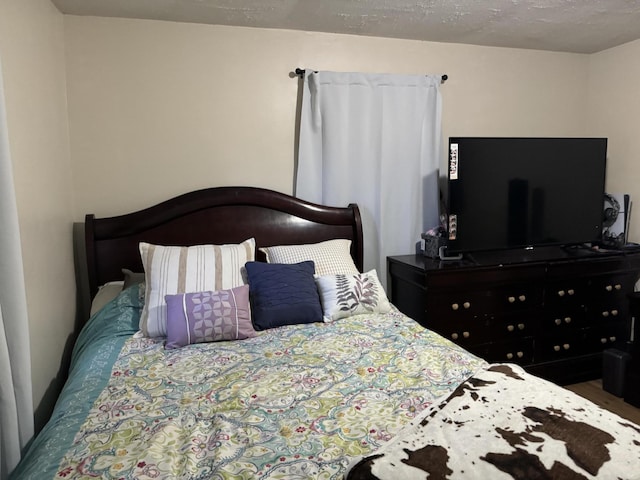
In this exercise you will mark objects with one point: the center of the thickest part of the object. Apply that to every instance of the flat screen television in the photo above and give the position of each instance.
(515, 193)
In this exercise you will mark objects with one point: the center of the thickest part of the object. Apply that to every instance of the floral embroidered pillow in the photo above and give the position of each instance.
(345, 295)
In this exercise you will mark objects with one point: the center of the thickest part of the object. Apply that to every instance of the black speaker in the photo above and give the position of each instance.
(614, 368)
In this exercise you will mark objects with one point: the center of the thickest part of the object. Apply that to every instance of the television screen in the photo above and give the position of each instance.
(524, 192)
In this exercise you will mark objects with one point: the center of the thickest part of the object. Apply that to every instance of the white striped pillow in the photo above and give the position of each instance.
(173, 270)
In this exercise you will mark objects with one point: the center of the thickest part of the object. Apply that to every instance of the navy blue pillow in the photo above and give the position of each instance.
(283, 294)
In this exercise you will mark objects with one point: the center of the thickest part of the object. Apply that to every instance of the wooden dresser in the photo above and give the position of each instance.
(552, 315)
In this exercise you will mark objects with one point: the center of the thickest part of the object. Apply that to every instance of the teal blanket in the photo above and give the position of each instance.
(94, 354)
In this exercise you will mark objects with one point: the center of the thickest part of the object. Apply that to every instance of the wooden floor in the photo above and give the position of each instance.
(594, 392)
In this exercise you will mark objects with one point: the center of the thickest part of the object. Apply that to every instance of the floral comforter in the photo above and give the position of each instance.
(295, 402)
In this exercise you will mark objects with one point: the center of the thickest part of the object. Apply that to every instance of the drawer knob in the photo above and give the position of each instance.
(556, 348)
(571, 291)
(617, 286)
(512, 299)
(561, 293)
(522, 298)
(509, 356)
(454, 336)
(603, 340)
(608, 288)
(605, 314)
(466, 305)
(455, 306)
(558, 321)
(511, 328)
(466, 334)
(567, 319)
(566, 346)
(613, 339)
(614, 312)
(521, 326)
(520, 354)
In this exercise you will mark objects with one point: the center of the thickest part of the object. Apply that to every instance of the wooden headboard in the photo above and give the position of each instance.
(214, 215)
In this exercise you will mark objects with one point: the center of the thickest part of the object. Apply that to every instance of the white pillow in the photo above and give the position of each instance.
(345, 295)
(332, 257)
(106, 293)
(173, 270)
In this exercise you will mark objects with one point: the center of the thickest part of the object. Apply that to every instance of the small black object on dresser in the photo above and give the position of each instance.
(554, 315)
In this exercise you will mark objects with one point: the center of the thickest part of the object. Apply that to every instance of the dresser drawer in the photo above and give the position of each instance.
(612, 288)
(465, 331)
(474, 303)
(569, 294)
(458, 306)
(509, 326)
(564, 319)
(604, 313)
(600, 338)
(468, 331)
(514, 351)
(560, 346)
(518, 297)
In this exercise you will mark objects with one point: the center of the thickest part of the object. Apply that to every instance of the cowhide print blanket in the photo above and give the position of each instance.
(503, 423)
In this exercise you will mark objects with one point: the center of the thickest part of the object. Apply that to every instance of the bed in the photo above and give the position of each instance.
(319, 378)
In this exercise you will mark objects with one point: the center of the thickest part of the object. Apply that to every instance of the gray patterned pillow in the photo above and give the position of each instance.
(208, 317)
(132, 278)
(345, 295)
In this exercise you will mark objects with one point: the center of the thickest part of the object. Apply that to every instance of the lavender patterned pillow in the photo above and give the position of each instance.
(345, 295)
(208, 317)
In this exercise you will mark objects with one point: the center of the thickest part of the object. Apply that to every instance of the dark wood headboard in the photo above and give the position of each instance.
(217, 216)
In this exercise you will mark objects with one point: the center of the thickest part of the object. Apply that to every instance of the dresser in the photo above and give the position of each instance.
(553, 315)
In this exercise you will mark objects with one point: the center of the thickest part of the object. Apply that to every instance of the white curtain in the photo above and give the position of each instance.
(16, 404)
(373, 139)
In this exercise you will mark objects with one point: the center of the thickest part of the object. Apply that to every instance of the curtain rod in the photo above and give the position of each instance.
(300, 73)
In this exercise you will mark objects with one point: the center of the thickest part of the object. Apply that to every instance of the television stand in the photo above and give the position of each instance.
(551, 310)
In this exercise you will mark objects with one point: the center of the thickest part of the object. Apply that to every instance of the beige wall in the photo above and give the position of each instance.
(159, 108)
(32, 52)
(614, 112)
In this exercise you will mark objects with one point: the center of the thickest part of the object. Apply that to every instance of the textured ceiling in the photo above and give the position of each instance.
(579, 26)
